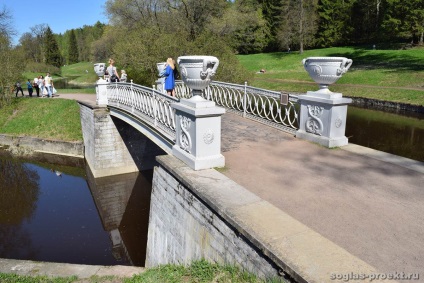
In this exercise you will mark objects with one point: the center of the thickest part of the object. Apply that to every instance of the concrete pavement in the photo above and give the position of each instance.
(368, 202)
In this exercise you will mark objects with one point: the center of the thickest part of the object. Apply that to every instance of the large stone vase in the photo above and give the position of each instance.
(160, 66)
(197, 72)
(326, 70)
(160, 82)
(99, 69)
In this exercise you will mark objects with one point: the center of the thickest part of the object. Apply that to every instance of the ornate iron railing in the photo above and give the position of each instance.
(154, 107)
(259, 104)
(150, 105)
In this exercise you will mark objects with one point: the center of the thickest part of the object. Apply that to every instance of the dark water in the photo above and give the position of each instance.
(65, 84)
(397, 133)
(72, 218)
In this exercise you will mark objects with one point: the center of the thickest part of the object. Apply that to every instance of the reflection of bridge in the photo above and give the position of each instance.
(123, 206)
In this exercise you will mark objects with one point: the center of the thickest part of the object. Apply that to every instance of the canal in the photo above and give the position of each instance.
(400, 133)
(60, 213)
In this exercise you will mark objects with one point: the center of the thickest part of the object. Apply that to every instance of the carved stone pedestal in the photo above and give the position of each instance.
(198, 131)
(323, 118)
(101, 92)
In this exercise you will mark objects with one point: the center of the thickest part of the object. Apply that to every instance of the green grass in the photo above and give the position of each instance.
(43, 118)
(392, 75)
(198, 272)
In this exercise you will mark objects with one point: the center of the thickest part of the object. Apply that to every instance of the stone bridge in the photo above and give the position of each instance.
(177, 126)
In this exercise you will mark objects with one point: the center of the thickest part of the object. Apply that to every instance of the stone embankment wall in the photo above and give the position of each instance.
(184, 227)
(386, 105)
(26, 145)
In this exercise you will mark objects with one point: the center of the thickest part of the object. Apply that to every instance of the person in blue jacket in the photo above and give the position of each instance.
(169, 77)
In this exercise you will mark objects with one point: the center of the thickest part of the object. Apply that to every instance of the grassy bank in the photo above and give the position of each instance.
(391, 75)
(198, 271)
(43, 118)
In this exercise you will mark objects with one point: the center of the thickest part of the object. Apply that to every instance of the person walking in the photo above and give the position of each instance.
(29, 86)
(48, 85)
(41, 85)
(35, 86)
(168, 73)
(112, 71)
(18, 88)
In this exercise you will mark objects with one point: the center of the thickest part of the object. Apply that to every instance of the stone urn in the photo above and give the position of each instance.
(160, 66)
(100, 69)
(197, 71)
(326, 70)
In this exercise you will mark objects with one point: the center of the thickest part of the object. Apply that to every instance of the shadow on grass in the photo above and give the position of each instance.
(365, 58)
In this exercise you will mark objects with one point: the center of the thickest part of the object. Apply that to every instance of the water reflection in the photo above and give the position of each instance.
(19, 188)
(123, 203)
(72, 218)
(388, 132)
(66, 83)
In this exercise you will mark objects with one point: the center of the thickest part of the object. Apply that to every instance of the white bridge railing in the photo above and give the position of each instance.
(259, 104)
(150, 105)
(154, 107)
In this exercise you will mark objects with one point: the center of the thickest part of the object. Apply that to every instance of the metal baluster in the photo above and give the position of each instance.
(244, 99)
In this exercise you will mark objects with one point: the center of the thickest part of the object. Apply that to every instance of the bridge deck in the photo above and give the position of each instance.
(373, 208)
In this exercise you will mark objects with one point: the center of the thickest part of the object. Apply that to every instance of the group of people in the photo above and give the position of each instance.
(111, 73)
(169, 73)
(42, 85)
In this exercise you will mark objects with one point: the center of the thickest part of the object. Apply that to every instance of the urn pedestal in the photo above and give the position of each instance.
(323, 120)
(323, 112)
(198, 121)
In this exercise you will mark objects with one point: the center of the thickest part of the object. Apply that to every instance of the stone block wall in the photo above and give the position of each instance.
(183, 228)
(112, 146)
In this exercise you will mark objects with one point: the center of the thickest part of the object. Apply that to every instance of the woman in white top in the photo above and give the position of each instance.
(112, 71)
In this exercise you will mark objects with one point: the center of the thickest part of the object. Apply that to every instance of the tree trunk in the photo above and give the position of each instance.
(301, 28)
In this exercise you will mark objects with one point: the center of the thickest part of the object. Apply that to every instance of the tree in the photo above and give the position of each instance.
(273, 13)
(299, 24)
(334, 24)
(73, 48)
(38, 32)
(51, 49)
(243, 27)
(11, 59)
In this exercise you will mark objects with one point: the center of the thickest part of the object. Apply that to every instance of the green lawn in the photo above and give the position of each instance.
(393, 75)
(43, 118)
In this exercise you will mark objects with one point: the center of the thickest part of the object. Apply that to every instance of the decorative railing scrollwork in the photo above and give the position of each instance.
(150, 105)
(258, 104)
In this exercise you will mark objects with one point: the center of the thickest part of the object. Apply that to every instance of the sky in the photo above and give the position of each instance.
(59, 15)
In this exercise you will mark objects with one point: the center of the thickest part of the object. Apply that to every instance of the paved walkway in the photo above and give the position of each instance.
(367, 202)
